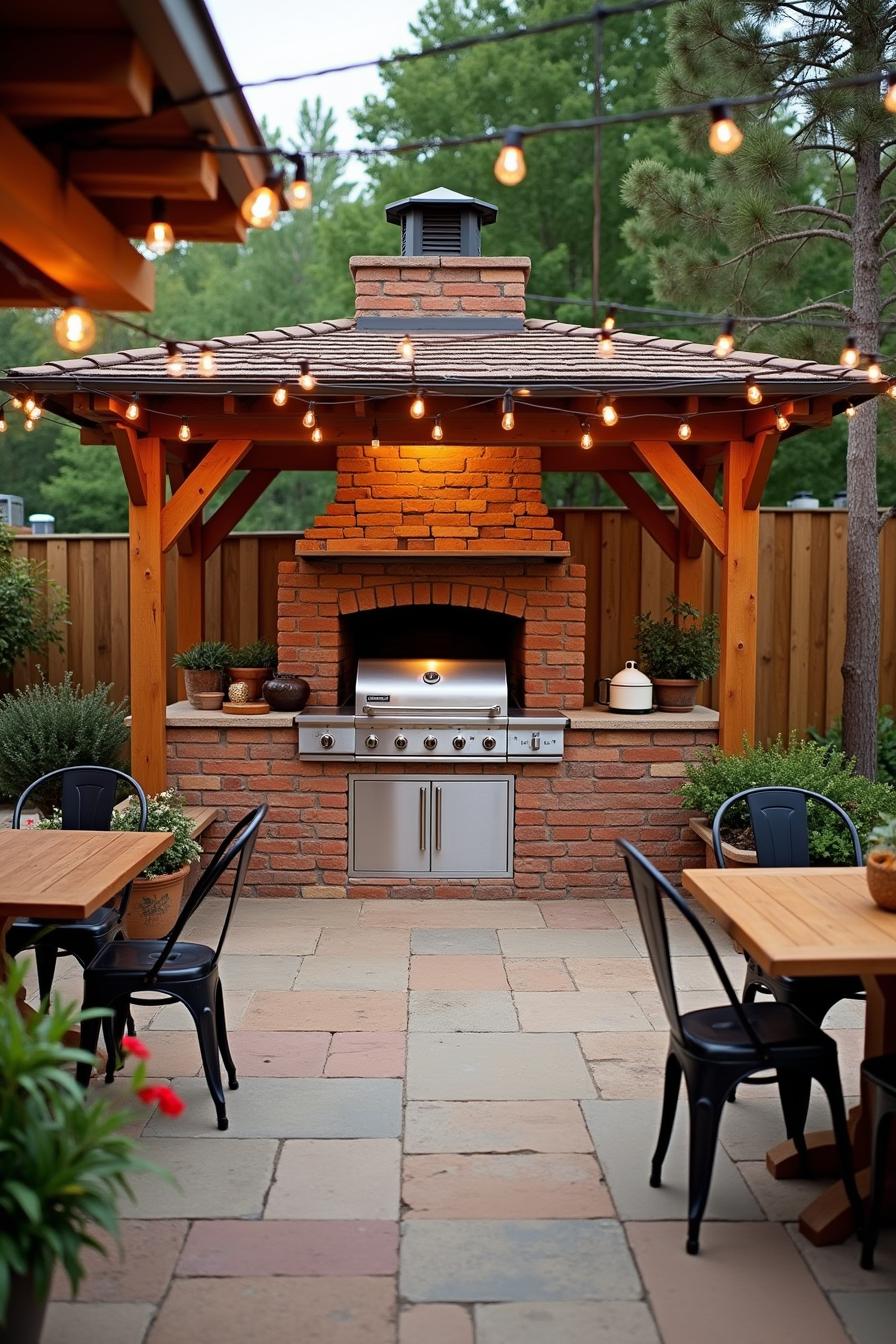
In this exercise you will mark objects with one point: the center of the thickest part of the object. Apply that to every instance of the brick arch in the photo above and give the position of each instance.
(423, 592)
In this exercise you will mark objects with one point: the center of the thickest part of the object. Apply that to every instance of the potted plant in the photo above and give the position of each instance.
(203, 666)
(157, 893)
(678, 653)
(66, 1161)
(718, 775)
(253, 664)
(881, 862)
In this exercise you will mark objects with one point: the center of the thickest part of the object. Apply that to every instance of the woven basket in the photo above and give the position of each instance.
(881, 879)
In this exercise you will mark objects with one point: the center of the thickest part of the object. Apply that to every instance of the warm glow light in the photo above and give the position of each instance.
(207, 365)
(298, 193)
(309, 419)
(890, 95)
(262, 206)
(418, 407)
(307, 380)
(133, 410)
(75, 328)
(608, 412)
(36, 412)
(317, 434)
(507, 417)
(684, 431)
(725, 136)
(782, 422)
(405, 348)
(891, 391)
(510, 165)
(159, 235)
(438, 432)
(850, 411)
(724, 343)
(2, 422)
(281, 396)
(874, 370)
(374, 435)
(586, 441)
(29, 424)
(184, 432)
(16, 403)
(605, 343)
(175, 362)
(849, 355)
(29, 404)
(610, 319)
(754, 392)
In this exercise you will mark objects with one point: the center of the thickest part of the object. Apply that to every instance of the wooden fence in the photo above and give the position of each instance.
(802, 603)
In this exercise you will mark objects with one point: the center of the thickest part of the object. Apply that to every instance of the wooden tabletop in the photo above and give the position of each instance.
(69, 874)
(800, 921)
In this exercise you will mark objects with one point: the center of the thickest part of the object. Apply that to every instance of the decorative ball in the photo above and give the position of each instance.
(238, 692)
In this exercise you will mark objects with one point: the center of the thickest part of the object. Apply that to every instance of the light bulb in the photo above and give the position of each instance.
(298, 193)
(724, 343)
(510, 165)
(29, 404)
(281, 396)
(874, 370)
(891, 391)
(608, 412)
(782, 422)
(850, 411)
(309, 419)
(605, 343)
(317, 434)
(438, 432)
(610, 319)
(28, 424)
(405, 348)
(684, 431)
(725, 136)
(890, 95)
(133, 410)
(174, 362)
(418, 407)
(2, 422)
(307, 380)
(849, 355)
(184, 432)
(160, 237)
(262, 206)
(36, 412)
(586, 441)
(16, 403)
(374, 435)
(75, 328)
(507, 417)
(754, 392)
(207, 365)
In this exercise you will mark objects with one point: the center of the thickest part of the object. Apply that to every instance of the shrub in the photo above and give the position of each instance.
(45, 727)
(260, 653)
(687, 651)
(210, 655)
(883, 838)
(32, 608)
(886, 742)
(798, 764)
(165, 812)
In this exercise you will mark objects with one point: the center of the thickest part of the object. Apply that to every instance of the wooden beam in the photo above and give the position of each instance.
(648, 513)
(128, 447)
(190, 596)
(217, 221)
(208, 474)
(75, 73)
(692, 497)
(689, 570)
(144, 173)
(234, 507)
(56, 229)
(148, 652)
(764, 447)
(738, 614)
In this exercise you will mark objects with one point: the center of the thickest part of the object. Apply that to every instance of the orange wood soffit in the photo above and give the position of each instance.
(648, 513)
(687, 491)
(128, 446)
(765, 446)
(234, 507)
(199, 486)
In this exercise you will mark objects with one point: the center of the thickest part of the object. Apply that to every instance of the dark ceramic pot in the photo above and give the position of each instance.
(25, 1312)
(286, 692)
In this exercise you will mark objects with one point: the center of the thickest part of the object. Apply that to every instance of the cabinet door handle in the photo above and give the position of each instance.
(423, 792)
(438, 817)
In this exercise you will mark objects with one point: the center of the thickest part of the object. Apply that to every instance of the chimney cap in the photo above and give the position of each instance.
(441, 196)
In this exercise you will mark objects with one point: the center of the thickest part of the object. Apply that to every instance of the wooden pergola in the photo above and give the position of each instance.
(556, 376)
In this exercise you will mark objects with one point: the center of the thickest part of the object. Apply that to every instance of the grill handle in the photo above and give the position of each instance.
(422, 818)
(430, 712)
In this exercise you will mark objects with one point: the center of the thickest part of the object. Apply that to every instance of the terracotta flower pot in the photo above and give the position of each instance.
(733, 855)
(286, 692)
(254, 677)
(881, 873)
(25, 1312)
(155, 904)
(679, 696)
(198, 680)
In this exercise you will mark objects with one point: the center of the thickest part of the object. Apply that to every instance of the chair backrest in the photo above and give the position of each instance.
(780, 821)
(234, 850)
(650, 889)
(87, 796)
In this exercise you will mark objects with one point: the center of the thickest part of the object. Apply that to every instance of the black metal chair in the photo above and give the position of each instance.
(879, 1074)
(185, 973)
(716, 1048)
(86, 800)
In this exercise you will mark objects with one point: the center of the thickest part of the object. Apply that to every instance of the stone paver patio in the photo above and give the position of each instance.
(442, 1136)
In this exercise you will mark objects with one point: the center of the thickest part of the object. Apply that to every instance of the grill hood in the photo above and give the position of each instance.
(431, 686)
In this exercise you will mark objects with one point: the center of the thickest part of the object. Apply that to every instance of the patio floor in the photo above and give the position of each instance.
(442, 1136)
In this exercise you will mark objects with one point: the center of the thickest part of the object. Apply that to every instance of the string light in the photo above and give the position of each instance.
(309, 419)
(725, 136)
(133, 410)
(608, 412)
(262, 206)
(159, 235)
(875, 372)
(890, 95)
(298, 193)
(438, 432)
(586, 441)
(405, 348)
(684, 431)
(75, 328)
(510, 165)
(724, 342)
(849, 355)
(374, 435)
(610, 319)
(207, 365)
(281, 396)
(754, 392)
(605, 343)
(28, 424)
(36, 411)
(15, 403)
(184, 432)
(507, 417)
(782, 422)
(891, 391)
(29, 405)
(2, 420)
(317, 434)
(175, 363)
(418, 406)
(307, 380)
(850, 411)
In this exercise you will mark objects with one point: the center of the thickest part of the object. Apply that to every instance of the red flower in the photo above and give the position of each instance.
(169, 1102)
(132, 1045)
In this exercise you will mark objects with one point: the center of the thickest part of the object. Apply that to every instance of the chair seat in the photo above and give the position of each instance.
(137, 956)
(26, 929)
(882, 1071)
(716, 1032)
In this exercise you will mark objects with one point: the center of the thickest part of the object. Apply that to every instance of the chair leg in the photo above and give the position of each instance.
(671, 1088)
(829, 1078)
(223, 1043)
(705, 1104)
(794, 1089)
(200, 1001)
(879, 1151)
(113, 1038)
(90, 1034)
(45, 954)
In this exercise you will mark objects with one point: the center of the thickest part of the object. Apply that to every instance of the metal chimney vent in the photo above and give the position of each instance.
(441, 223)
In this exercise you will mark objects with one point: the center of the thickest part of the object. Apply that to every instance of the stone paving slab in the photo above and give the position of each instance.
(565, 1322)
(175, 1017)
(340, 1179)
(367, 1054)
(585, 914)
(279, 1054)
(626, 1064)
(496, 1067)
(342, 972)
(837, 1268)
(566, 943)
(504, 1185)
(689, 1001)
(364, 943)
(435, 1323)
(754, 1123)
(607, 973)
(781, 1201)
(454, 942)
(451, 915)
(210, 1178)
(586, 1010)
(134, 1268)
(314, 1310)
(436, 971)
(869, 1317)
(538, 973)
(461, 1010)
(327, 1010)
(495, 1127)
(234, 1248)
(243, 971)
(96, 1322)
(289, 1108)
(524, 1261)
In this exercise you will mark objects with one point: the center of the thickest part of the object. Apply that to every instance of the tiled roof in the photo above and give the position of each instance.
(545, 355)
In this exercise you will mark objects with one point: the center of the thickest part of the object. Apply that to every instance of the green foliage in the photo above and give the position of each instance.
(32, 608)
(165, 812)
(718, 775)
(683, 646)
(883, 835)
(886, 742)
(65, 1162)
(209, 655)
(260, 653)
(45, 727)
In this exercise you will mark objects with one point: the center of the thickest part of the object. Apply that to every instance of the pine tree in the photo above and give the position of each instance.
(805, 207)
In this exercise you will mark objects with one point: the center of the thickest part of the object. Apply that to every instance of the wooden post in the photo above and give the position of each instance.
(740, 580)
(190, 595)
(148, 652)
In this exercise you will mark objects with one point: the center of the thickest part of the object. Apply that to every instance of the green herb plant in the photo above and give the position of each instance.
(682, 647)
(260, 653)
(210, 655)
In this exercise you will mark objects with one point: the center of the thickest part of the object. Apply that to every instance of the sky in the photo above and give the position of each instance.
(278, 37)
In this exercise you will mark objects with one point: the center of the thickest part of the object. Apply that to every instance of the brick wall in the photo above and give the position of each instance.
(463, 286)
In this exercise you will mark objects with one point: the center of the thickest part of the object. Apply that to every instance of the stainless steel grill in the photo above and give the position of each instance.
(423, 709)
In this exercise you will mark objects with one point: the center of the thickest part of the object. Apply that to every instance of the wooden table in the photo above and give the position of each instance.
(814, 921)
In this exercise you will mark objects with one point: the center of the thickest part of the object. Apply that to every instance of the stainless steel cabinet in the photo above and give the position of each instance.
(452, 825)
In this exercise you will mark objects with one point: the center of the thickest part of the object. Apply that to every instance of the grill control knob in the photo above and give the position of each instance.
(326, 741)
(430, 743)
(371, 741)
(489, 743)
(458, 743)
(401, 741)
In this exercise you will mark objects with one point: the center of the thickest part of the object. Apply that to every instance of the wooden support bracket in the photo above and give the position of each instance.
(187, 502)
(234, 507)
(648, 513)
(128, 447)
(764, 447)
(690, 495)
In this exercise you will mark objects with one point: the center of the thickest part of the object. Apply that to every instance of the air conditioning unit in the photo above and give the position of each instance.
(12, 510)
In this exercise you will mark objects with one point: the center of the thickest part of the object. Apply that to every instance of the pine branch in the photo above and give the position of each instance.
(833, 234)
(823, 210)
(885, 227)
(885, 517)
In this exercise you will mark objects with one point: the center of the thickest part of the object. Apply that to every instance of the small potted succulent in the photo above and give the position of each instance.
(678, 653)
(204, 666)
(157, 894)
(881, 862)
(252, 665)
